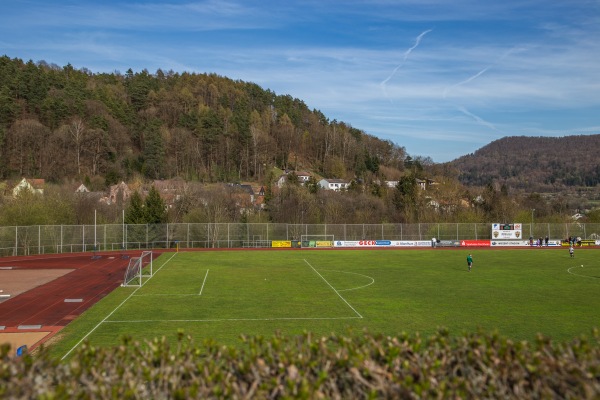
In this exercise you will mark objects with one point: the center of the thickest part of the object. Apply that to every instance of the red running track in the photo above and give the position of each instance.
(45, 305)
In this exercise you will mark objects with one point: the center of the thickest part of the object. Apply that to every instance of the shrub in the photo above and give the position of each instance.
(355, 366)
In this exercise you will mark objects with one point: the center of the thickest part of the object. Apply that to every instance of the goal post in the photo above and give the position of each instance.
(138, 270)
(316, 241)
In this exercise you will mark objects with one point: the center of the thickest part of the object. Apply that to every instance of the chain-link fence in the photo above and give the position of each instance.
(47, 239)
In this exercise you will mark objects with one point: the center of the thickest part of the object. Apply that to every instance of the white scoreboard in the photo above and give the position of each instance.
(507, 231)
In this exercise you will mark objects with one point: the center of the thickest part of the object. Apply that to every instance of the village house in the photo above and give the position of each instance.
(81, 188)
(35, 186)
(170, 190)
(303, 178)
(334, 184)
(118, 193)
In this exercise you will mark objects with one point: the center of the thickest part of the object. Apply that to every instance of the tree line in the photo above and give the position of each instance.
(62, 123)
(71, 125)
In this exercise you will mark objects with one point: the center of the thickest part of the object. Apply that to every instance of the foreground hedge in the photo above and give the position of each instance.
(366, 366)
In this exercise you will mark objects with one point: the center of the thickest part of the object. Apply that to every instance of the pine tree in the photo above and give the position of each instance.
(134, 214)
(155, 211)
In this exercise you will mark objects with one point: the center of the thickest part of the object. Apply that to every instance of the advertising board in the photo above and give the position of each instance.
(475, 243)
(448, 243)
(281, 243)
(382, 243)
(510, 243)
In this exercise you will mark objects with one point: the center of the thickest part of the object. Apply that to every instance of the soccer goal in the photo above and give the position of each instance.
(316, 240)
(138, 269)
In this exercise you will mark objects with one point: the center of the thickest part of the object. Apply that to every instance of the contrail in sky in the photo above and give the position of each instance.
(472, 77)
(469, 79)
(479, 120)
(406, 54)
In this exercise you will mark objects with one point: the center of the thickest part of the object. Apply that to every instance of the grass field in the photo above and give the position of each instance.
(224, 294)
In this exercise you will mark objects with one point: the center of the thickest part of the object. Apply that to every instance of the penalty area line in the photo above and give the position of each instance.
(203, 282)
(230, 320)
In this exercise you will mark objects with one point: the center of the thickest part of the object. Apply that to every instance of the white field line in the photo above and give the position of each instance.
(230, 319)
(177, 294)
(584, 276)
(166, 294)
(203, 282)
(332, 288)
(116, 308)
(354, 273)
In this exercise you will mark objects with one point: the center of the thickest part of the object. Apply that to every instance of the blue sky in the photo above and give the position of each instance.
(441, 78)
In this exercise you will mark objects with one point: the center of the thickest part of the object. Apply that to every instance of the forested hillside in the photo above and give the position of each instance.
(60, 123)
(69, 126)
(534, 164)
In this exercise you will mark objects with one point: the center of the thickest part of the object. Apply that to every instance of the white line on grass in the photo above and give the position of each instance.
(176, 294)
(354, 273)
(336, 292)
(584, 276)
(230, 319)
(116, 308)
(203, 282)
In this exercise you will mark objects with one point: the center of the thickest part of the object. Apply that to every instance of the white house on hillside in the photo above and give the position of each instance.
(302, 176)
(334, 184)
(33, 185)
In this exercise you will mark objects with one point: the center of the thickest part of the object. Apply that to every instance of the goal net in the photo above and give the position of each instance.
(313, 241)
(138, 270)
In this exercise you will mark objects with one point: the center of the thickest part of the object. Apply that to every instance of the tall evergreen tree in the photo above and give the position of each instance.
(155, 211)
(134, 213)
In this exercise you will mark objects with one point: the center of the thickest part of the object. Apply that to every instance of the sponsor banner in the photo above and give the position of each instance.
(281, 243)
(475, 243)
(365, 243)
(323, 243)
(405, 243)
(509, 243)
(554, 243)
(448, 243)
(584, 243)
(383, 243)
(423, 243)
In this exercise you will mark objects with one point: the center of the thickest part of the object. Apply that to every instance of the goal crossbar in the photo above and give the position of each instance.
(139, 269)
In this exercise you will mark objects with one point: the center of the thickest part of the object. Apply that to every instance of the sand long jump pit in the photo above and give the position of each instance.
(13, 282)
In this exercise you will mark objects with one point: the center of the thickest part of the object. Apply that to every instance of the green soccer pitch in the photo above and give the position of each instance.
(221, 295)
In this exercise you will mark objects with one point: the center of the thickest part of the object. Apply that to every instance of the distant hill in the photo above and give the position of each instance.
(534, 164)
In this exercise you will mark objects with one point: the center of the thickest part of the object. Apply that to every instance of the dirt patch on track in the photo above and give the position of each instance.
(18, 339)
(16, 281)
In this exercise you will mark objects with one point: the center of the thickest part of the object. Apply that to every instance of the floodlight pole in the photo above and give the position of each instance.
(95, 232)
(531, 227)
(123, 229)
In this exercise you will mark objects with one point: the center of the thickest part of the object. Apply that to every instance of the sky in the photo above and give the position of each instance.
(440, 78)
